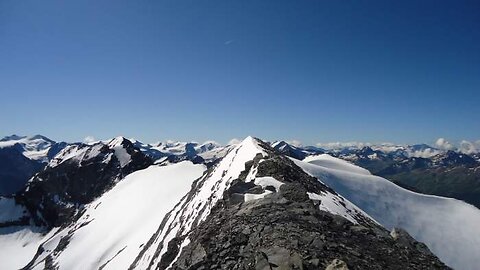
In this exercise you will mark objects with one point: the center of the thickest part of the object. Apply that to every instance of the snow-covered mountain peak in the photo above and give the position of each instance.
(197, 205)
(122, 150)
(206, 146)
(78, 153)
(252, 198)
(251, 143)
(295, 151)
(120, 145)
(33, 147)
(117, 141)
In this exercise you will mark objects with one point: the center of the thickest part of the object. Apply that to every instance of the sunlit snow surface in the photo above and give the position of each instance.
(120, 152)
(113, 229)
(328, 161)
(207, 193)
(34, 148)
(18, 245)
(449, 227)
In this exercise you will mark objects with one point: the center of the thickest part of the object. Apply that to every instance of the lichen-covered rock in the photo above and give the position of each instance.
(337, 265)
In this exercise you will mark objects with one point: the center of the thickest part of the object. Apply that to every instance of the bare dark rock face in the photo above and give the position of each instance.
(287, 230)
(282, 231)
(55, 194)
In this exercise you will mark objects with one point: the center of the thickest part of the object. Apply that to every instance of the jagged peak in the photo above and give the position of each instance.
(206, 192)
(117, 141)
(278, 144)
(82, 151)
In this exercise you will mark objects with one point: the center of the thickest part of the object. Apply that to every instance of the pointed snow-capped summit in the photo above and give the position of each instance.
(296, 152)
(251, 173)
(77, 175)
(197, 205)
(252, 209)
(121, 146)
(119, 141)
(289, 150)
(256, 199)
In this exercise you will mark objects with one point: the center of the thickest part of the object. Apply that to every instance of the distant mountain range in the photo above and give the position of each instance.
(420, 168)
(21, 157)
(124, 204)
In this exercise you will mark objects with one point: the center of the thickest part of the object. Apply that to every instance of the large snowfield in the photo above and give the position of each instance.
(113, 229)
(18, 246)
(449, 227)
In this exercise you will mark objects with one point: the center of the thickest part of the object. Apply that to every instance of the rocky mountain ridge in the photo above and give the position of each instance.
(254, 207)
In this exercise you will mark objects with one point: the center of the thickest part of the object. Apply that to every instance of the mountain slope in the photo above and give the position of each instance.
(449, 227)
(253, 209)
(196, 206)
(277, 216)
(420, 168)
(76, 176)
(21, 157)
(15, 170)
(34, 148)
(112, 229)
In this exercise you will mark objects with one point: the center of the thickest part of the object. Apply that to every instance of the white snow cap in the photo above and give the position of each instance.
(120, 152)
(34, 147)
(209, 190)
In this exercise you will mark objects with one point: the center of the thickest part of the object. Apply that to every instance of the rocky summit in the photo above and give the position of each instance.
(122, 204)
(286, 229)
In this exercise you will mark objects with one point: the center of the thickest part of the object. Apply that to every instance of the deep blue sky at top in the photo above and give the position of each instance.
(401, 71)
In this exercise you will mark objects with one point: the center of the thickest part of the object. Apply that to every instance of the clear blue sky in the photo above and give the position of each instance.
(401, 71)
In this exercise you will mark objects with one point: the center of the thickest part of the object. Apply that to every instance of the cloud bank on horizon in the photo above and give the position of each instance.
(464, 146)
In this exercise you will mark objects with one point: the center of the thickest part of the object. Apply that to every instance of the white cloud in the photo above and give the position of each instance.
(228, 42)
(89, 139)
(339, 145)
(443, 144)
(426, 153)
(296, 143)
(234, 141)
(468, 147)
